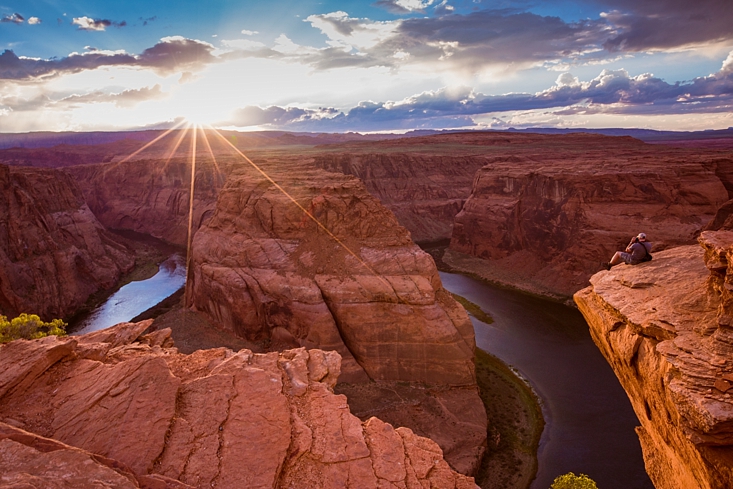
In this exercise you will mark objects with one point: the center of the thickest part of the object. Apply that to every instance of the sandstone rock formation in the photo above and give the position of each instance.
(149, 196)
(214, 418)
(423, 189)
(53, 252)
(666, 329)
(547, 221)
(357, 285)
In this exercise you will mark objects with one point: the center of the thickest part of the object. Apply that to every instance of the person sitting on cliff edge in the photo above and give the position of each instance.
(639, 250)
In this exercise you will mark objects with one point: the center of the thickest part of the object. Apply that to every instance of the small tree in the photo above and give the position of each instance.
(572, 481)
(29, 327)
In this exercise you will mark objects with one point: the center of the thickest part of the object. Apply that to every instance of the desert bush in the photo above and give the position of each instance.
(572, 481)
(29, 327)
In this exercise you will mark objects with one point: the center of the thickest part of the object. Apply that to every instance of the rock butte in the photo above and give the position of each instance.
(666, 328)
(358, 285)
(124, 407)
(53, 252)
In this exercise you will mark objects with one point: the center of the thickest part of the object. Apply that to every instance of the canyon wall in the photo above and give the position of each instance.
(53, 252)
(665, 327)
(546, 223)
(149, 196)
(352, 282)
(139, 414)
(424, 191)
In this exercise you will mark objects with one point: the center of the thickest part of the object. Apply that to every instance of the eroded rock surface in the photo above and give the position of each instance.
(547, 222)
(665, 328)
(354, 282)
(149, 196)
(54, 253)
(214, 418)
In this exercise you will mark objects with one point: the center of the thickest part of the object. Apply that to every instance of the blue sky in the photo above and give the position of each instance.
(383, 65)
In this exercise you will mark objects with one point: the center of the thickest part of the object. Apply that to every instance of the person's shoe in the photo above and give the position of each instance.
(607, 265)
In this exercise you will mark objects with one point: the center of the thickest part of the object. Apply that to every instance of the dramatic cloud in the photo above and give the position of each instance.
(171, 54)
(14, 18)
(667, 24)
(613, 91)
(89, 24)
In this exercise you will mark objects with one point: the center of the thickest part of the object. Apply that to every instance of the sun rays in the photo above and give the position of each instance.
(172, 141)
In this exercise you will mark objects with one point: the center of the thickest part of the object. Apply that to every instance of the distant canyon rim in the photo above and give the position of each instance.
(538, 212)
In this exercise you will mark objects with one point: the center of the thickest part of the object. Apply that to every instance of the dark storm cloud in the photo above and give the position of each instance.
(170, 55)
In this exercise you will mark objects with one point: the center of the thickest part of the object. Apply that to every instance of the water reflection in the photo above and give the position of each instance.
(137, 297)
(590, 422)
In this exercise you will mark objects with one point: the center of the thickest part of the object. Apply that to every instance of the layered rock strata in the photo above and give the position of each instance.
(54, 253)
(214, 418)
(353, 282)
(546, 224)
(424, 191)
(150, 196)
(665, 327)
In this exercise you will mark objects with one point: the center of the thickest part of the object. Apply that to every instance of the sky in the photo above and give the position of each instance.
(366, 66)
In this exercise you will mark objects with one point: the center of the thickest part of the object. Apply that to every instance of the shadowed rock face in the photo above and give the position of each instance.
(548, 225)
(53, 252)
(166, 417)
(424, 191)
(149, 197)
(665, 328)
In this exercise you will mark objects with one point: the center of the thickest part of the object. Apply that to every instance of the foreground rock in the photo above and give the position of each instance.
(354, 282)
(547, 221)
(665, 327)
(53, 252)
(214, 418)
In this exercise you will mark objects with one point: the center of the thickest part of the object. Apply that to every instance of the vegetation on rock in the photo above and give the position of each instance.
(572, 481)
(29, 327)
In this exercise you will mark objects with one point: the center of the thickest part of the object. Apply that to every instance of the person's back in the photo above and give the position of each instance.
(638, 251)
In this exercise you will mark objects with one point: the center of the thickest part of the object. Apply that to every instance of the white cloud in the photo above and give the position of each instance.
(34, 20)
(249, 33)
(89, 24)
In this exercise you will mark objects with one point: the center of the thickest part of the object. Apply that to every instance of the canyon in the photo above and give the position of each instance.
(54, 253)
(320, 255)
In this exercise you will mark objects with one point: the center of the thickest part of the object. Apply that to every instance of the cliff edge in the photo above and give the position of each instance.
(666, 329)
(139, 414)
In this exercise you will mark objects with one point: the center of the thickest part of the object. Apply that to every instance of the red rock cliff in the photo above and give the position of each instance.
(153, 417)
(149, 196)
(358, 285)
(53, 252)
(666, 329)
(547, 222)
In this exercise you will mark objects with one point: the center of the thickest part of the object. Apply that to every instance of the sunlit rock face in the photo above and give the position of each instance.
(665, 327)
(53, 252)
(547, 223)
(354, 282)
(150, 196)
(214, 418)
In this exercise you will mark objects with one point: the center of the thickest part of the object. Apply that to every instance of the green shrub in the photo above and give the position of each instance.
(29, 327)
(572, 481)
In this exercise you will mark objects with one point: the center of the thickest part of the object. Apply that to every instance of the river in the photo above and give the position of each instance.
(136, 297)
(589, 420)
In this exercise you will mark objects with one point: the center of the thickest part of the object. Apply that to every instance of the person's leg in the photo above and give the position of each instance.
(616, 259)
